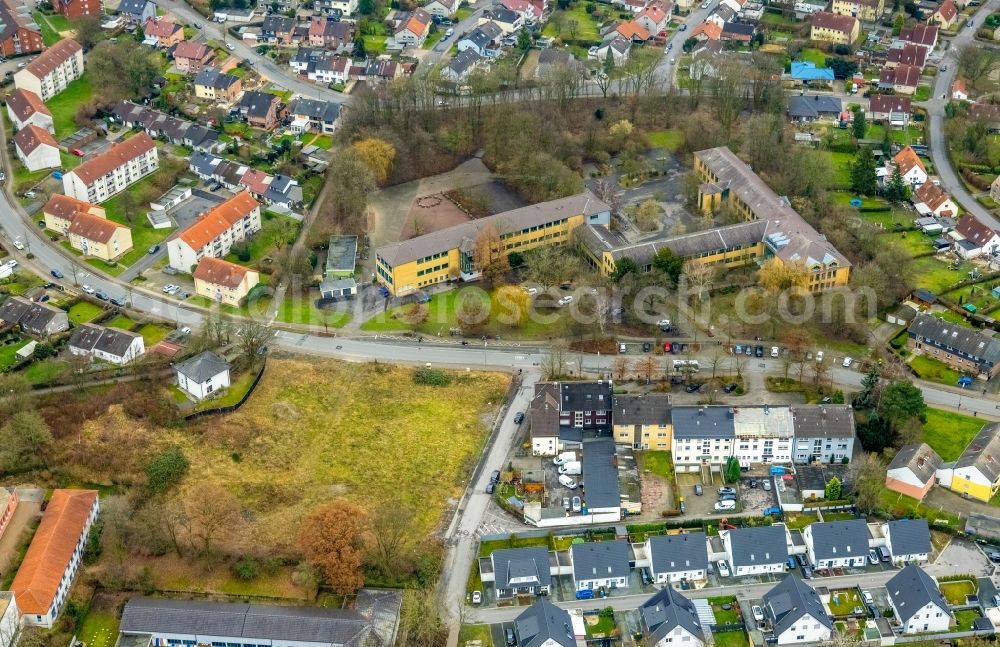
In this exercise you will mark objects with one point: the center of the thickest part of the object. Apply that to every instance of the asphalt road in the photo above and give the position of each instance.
(935, 108)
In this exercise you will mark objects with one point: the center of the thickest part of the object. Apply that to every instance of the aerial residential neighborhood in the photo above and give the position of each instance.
(507, 323)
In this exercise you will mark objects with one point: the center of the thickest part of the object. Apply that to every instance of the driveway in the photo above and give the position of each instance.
(960, 557)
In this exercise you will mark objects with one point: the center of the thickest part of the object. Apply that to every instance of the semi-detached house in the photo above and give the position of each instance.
(796, 613)
(111, 172)
(99, 237)
(752, 551)
(600, 564)
(43, 580)
(668, 618)
(52, 70)
(24, 107)
(824, 433)
(907, 540)
(917, 603)
(223, 282)
(107, 344)
(214, 234)
(518, 571)
(913, 470)
(673, 558)
(837, 544)
(976, 473)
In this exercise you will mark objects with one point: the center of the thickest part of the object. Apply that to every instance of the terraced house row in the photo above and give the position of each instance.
(772, 230)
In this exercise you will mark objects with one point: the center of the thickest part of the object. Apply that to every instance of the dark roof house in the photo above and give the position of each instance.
(911, 589)
(666, 611)
(807, 107)
(518, 567)
(543, 624)
(202, 367)
(839, 539)
(598, 560)
(646, 409)
(909, 536)
(758, 546)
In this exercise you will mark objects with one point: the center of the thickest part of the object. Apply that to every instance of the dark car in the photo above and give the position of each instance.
(102, 295)
(691, 388)
(727, 497)
(518, 417)
(807, 572)
(57, 274)
(115, 301)
(495, 476)
(153, 249)
(759, 351)
(994, 556)
(698, 489)
(490, 487)
(646, 347)
(646, 577)
(508, 635)
(731, 387)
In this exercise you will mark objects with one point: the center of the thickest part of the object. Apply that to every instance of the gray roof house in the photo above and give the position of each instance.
(519, 571)
(907, 539)
(810, 107)
(137, 11)
(321, 115)
(837, 543)
(210, 77)
(672, 557)
(666, 612)
(793, 600)
(543, 624)
(38, 319)
(110, 344)
(703, 422)
(204, 622)
(461, 65)
(598, 562)
(918, 603)
(966, 345)
(756, 550)
(600, 472)
(824, 433)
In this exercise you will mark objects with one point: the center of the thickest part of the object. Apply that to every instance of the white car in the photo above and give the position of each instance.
(567, 482)
(819, 357)
(531, 291)
(566, 300)
(774, 351)
(723, 568)
(847, 362)
(477, 597)
(18, 244)
(663, 324)
(867, 595)
(449, 33)
(230, 47)
(87, 289)
(758, 613)
(725, 506)
(29, 194)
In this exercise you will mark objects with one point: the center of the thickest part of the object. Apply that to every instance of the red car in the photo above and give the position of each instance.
(666, 347)
(77, 152)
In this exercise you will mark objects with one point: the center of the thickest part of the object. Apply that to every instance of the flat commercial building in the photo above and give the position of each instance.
(449, 254)
(52, 70)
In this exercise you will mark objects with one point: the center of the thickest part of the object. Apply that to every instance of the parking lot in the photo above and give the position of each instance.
(961, 556)
(752, 501)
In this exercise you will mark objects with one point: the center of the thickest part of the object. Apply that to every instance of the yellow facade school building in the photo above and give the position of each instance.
(449, 254)
(772, 229)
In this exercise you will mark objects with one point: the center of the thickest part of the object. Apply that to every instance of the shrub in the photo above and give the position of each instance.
(166, 469)
(246, 569)
(431, 377)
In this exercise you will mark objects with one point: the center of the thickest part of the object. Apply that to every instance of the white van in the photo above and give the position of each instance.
(725, 506)
(774, 351)
(564, 458)
(567, 482)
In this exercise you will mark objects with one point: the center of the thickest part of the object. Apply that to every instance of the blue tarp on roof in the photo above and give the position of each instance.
(807, 71)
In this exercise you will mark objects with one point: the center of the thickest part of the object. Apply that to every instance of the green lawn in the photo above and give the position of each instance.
(143, 234)
(838, 516)
(152, 334)
(83, 311)
(955, 592)
(301, 310)
(122, 322)
(670, 138)
(433, 38)
(923, 93)
(587, 28)
(274, 229)
(731, 639)
(235, 392)
(45, 371)
(813, 55)
(898, 506)
(375, 43)
(723, 616)
(657, 462)
(948, 433)
(99, 629)
(60, 23)
(65, 104)
(475, 632)
(800, 521)
(965, 618)
(846, 601)
(8, 353)
(604, 626)
(928, 368)
(49, 34)
(841, 163)
(937, 276)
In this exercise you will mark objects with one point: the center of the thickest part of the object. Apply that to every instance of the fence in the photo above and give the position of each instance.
(233, 407)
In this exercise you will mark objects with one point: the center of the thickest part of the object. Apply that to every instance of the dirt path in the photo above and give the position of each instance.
(657, 496)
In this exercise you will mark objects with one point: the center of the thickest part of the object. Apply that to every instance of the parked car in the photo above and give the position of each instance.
(774, 351)
(154, 249)
(566, 300)
(727, 497)
(723, 568)
(758, 613)
(622, 348)
(994, 556)
(691, 388)
(29, 194)
(847, 362)
(87, 289)
(725, 506)
(230, 47)
(748, 350)
(449, 33)
(807, 572)
(18, 244)
(646, 347)
(57, 274)
(495, 476)
(77, 152)
(873, 558)
(883, 553)
(477, 597)
(819, 357)
(698, 489)
(801, 560)
(729, 388)
(753, 483)
(766, 484)
(518, 417)
(115, 301)
(567, 506)
(664, 325)
(567, 482)
(867, 595)
(509, 637)
(758, 351)
(102, 295)
(491, 487)
(646, 577)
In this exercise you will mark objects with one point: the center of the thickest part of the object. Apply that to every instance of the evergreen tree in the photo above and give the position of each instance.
(860, 124)
(863, 179)
(896, 190)
(868, 384)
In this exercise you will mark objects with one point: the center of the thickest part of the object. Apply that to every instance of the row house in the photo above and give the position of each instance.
(560, 411)
(261, 109)
(278, 30)
(331, 34)
(52, 70)
(214, 233)
(908, 54)
(961, 348)
(179, 132)
(191, 57)
(223, 282)
(106, 344)
(925, 36)
(19, 34)
(321, 66)
(162, 32)
(902, 79)
(111, 172)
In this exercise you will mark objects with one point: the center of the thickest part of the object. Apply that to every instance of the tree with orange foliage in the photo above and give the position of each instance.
(333, 539)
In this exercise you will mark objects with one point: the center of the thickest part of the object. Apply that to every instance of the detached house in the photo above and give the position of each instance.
(752, 551)
(838, 544)
(619, 48)
(528, 11)
(913, 471)
(918, 604)
(907, 540)
(483, 40)
(543, 624)
(520, 571)
(111, 172)
(599, 564)
(413, 31)
(214, 233)
(910, 167)
(673, 558)
(442, 8)
(796, 613)
(930, 199)
(653, 19)
(203, 375)
(945, 16)
(136, 12)
(807, 108)
(668, 618)
(508, 21)
(958, 90)
(36, 148)
(461, 65)
(212, 85)
(46, 574)
(52, 70)
(260, 109)
(976, 238)
(961, 348)
(889, 109)
(223, 282)
(24, 107)
(107, 344)
(99, 237)
(190, 57)
(832, 28)
(163, 33)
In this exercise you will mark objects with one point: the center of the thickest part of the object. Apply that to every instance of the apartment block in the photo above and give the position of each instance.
(214, 233)
(112, 171)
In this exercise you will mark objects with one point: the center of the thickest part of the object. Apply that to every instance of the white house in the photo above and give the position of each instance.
(414, 30)
(796, 613)
(42, 583)
(619, 48)
(918, 604)
(111, 172)
(975, 237)
(910, 167)
(669, 618)
(483, 40)
(928, 198)
(752, 551)
(203, 375)
(654, 19)
(108, 344)
(546, 625)
(676, 557)
(442, 8)
(214, 233)
(907, 540)
(52, 70)
(600, 564)
(10, 619)
(36, 148)
(25, 107)
(837, 544)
